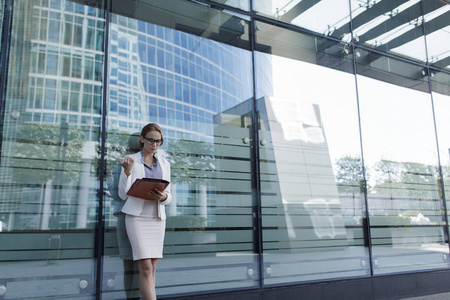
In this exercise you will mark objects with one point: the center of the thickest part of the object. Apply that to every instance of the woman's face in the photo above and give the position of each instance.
(152, 141)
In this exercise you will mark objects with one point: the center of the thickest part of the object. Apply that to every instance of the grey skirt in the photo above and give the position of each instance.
(146, 233)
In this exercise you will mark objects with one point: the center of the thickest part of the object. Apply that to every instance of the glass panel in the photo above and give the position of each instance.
(49, 187)
(437, 29)
(401, 160)
(440, 83)
(311, 171)
(390, 26)
(187, 69)
(328, 17)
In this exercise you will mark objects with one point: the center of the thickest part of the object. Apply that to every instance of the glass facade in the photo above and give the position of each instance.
(308, 141)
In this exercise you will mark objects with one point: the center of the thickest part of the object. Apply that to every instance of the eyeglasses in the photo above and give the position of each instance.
(151, 141)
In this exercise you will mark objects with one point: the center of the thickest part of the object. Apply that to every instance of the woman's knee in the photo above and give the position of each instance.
(147, 268)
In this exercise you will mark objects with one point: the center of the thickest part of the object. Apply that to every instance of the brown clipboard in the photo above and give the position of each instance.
(141, 187)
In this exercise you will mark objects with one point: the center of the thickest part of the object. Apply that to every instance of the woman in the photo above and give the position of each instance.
(145, 220)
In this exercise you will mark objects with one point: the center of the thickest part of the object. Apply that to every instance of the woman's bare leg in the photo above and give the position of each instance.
(147, 278)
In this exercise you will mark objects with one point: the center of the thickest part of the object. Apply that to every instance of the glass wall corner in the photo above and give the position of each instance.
(349, 149)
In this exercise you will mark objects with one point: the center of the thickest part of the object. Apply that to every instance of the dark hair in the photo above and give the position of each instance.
(151, 127)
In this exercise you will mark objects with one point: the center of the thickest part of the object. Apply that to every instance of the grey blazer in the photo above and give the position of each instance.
(134, 206)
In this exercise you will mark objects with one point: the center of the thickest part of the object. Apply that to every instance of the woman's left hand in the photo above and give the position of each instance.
(161, 196)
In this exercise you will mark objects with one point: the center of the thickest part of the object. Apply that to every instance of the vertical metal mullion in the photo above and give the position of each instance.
(366, 225)
(100, 236)
(5, 39)
(255, 165)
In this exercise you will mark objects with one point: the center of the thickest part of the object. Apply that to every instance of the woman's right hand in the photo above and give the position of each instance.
(127, 164)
